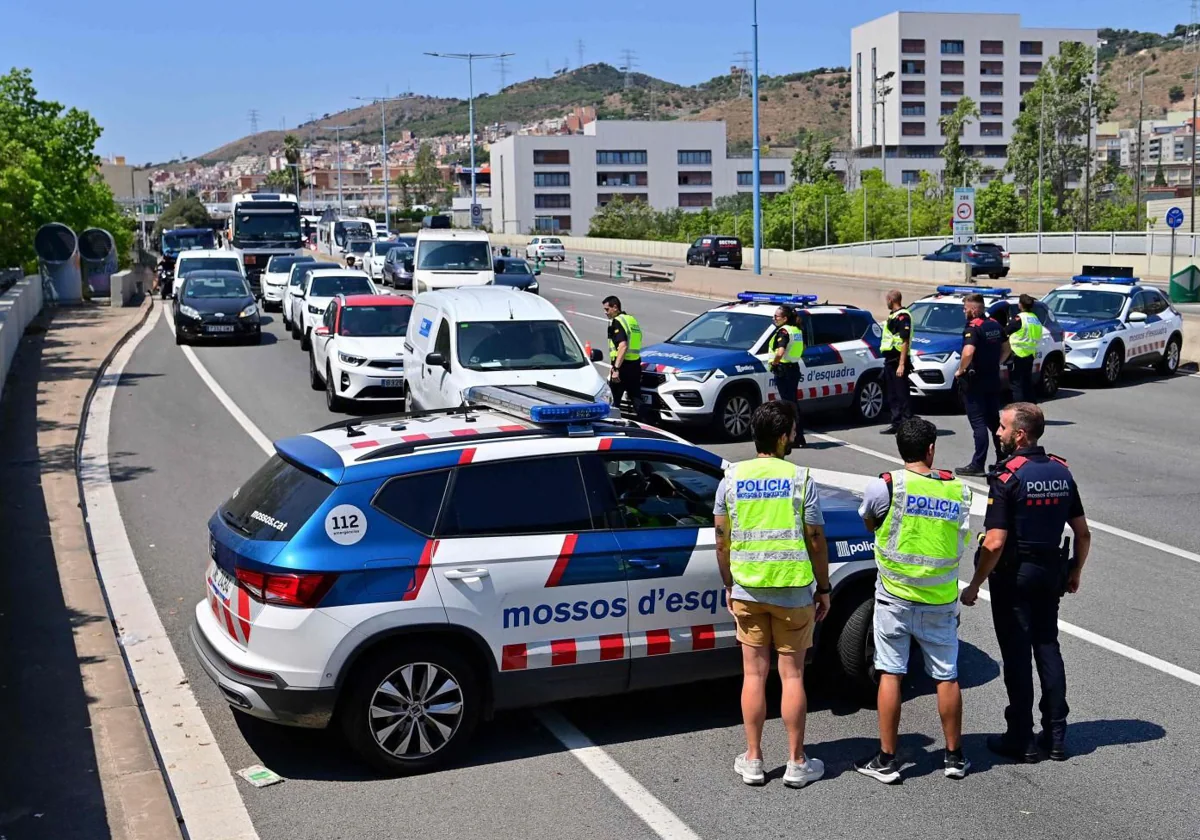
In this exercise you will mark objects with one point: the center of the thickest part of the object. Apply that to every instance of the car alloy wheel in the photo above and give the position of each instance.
(1112, 365)
(1170, 359)
(416, 710)
(870, 400)
(1051, 373)
(736, 416)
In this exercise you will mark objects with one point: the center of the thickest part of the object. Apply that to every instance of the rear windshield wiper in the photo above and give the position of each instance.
(234, 522)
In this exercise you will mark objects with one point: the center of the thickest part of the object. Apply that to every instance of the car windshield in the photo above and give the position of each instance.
(513, 267)
(518, 345)
(344, 284)
(358, 246)
(344, 230)
(409, 240)
(724, 330)
(190, 266)
(184, 241)
(264, 226)
(282, 265)
(551, 240)
(220, 286)
(943, 317)
(454, 255)
(1087, 304)
(301, 270)
(366, 321)
(990, 247)
(382, 248)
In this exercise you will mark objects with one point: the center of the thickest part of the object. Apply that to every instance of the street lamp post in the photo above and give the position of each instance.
(339, 129)
(882, 89)
(470, 59)
(756, 151)
(383, 100)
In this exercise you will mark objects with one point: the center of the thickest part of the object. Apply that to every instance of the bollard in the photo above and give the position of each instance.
(579, 267)
(619, 275)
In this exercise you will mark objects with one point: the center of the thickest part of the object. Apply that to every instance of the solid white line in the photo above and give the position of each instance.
(585, 315)
(681, 312)
(569, 292)
(660, 819)
(208, 797)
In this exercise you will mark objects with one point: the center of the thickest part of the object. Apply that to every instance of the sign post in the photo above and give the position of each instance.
(1174, 220)
(476, 215)
(964, 224)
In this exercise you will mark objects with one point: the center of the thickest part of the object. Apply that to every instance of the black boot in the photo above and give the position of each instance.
(1053, 739)
(1010, 748)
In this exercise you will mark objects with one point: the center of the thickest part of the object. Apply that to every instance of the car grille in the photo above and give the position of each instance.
(378, 392)
(653, 380)
(387, 364)
(932, 377)
(689, 399)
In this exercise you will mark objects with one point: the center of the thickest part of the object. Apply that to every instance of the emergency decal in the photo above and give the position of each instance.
(346, 524)
(617, 646)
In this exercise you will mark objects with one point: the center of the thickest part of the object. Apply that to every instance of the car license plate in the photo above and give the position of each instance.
(392, 383)
(219, 328)
(222, 583)
(648, 399)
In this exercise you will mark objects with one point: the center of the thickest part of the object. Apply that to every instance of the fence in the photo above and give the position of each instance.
(1132, 244)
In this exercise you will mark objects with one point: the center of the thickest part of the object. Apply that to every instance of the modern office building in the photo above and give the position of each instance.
(936, 58)
(556, 183)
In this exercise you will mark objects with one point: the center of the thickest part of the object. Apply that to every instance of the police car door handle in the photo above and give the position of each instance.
(644, 563)
(466, 574)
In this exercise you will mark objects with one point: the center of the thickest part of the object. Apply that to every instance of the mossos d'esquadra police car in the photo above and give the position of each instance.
(714, 370)
(405, 578)
(1112, 322)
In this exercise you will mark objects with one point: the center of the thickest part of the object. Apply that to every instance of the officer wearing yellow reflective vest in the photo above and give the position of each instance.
(770, 550)
(1024, 334)
(920, 519)
(624, 353)
(787, 348)
(895, 344)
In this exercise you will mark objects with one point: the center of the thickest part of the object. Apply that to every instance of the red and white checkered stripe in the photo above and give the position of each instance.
(236, 625)
(817, 392)
(1147, 347)
(616, 646)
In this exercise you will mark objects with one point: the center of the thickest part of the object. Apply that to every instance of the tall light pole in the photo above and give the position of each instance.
(383, 100)
(470, 59)
(339, 129)
(1195, 93)
(882, 89)
(1138, 178)
(1041, 125)
(757, 168)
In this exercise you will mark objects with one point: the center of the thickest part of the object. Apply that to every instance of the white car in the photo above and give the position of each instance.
(209, 259)
(374, 259)
(461, 338)
(381, 232)
(357, 352)
(275, 279)
(1112, 322)
(293, 296)
(545, 248)
(320, 288)
(448, 259)
(713, 372)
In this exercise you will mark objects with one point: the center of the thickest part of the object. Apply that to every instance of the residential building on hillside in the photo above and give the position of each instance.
(1166, 144)
(556, 183)
(936, 58)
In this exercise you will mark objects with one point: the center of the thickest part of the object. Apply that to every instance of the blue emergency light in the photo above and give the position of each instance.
(986, 291)
(541, 404)
(1116, 281)
(777, 299)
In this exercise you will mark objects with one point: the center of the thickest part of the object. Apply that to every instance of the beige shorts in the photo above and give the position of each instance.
(790, 629)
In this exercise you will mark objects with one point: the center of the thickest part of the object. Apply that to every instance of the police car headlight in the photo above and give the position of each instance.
(347, 359)
(693, 375)
(1092, 335)
(604, 395)
(936, 358)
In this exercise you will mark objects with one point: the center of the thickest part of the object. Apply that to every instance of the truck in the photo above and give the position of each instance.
(261, 226)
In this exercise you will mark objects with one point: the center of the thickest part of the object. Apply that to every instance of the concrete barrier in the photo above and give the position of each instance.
(18, 307)
(129, 284)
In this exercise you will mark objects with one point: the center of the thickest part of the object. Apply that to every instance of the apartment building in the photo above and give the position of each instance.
(556, 183)
(935, 59)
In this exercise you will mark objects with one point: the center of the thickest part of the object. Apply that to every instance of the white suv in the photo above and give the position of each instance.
(275, 279)
(545, 248)
(320, 288)
(357, 351)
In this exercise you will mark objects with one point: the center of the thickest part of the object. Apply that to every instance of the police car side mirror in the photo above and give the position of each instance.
(1136, 317)
(597, 355)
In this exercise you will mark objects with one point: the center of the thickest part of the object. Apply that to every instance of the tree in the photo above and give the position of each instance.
(291, 149)
(282, 180)
(1175, 94)
(1160, 179)
(404, 183)
(997, 208)
(427, 180)
(960, 168)
(191, 212)
(811, 161)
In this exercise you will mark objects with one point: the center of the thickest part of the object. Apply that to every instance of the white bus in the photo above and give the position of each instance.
(332, 234)
(261, 226)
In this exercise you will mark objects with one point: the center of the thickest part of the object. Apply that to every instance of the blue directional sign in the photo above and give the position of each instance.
(1174, 217)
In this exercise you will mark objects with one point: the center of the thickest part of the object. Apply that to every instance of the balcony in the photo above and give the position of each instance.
(952, 68)
(912, 89)
(912, 46)
(991, 88)
(952, 48)
(1031, 68)
(1031, 48)
(991, 47)
(912, 109)
(991, 129)
(952, 89)
(912, 68)
(912, 129)
(991, 68)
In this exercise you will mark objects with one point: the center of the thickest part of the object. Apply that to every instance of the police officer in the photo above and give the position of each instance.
(895, 345)
(787, 345)
(985, 349)
(1032, 497)
(624, 353)
(1024, 335)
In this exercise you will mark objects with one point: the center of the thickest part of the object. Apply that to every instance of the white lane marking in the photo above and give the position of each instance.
(585, 315)
(689, 314)
(661, 820)
(205, 790)
(639, 800)
(570, 292)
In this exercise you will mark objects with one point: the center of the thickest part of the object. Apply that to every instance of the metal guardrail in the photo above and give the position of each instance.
(1129, 243)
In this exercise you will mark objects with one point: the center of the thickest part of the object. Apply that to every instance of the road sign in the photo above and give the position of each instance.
(476, 214)
(964, 204)
(1174, 217)
(964, 238)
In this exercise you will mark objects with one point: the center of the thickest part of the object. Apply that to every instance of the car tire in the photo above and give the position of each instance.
(377, 740)
(179, 339)
(855, 647)
(1052, 371)
(332, 401)
(306, 340)
(295, 331)
(734, 410)
(868, 399)
(1170, 359)
(314, 379)
(1114, 362)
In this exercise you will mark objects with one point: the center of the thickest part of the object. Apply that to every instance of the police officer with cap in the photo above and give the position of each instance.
(1024, 335)
(624, 353)
(787, 345)
(895, 345)
(1032, 497)
(985, 349)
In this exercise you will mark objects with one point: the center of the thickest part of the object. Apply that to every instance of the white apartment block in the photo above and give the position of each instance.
(936, 58)
(556, 183)
(1164, 143)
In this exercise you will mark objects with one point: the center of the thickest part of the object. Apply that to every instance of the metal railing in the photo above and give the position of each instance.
(1131, 243)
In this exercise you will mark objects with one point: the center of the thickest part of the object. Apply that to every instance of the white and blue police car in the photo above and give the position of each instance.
(1113, 322)
(714, 372)
(938, 322)
(404, 578)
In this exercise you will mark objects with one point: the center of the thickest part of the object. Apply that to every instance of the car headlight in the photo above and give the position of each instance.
(1098, 332)
(693, 375)
(533, 286)
(250, 310)
(347, 359)
(189, 312)
(936, 358)
(604, 395)
(314, 310)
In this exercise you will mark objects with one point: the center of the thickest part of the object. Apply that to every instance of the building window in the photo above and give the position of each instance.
(618, 158)
(777, 178)
(952, 47)
(602, 199)
(552, 224)
(695, 158)
(1031, 48)
(912, 88)
(991, 47)
(695, 199)
(912, 46)
(1031, 68)
(912, 109)
(912, 68)
(952, 68)
(621, 179)
(695, 179)
(912, 129)
(1025, 88)
(551, 156)
(991, 109)
(551, 201)
(991, 88)
(952, 88)
(948, 108)
(991, 129)
(552, 179)
(910, 176)
(991, 68)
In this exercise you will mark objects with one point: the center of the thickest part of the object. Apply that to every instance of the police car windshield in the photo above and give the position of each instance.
(368, 321)
(724, 330)
(518, 345)
(944, 317)
(1089, 304)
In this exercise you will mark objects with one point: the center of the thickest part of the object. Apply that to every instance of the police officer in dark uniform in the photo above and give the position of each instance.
(787, 351)
(985, 348)
(895, 345)
(1032, 497)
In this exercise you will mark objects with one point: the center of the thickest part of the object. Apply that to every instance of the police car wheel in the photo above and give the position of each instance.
(1114, 360)
(856, 647)
(868, 399)
(734, 410)
(1051, 376)
(411, 709)
(1170, 359)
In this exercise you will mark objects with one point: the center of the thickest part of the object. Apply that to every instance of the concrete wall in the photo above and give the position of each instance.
(1157, 266)
(129, 284)
(18, 306)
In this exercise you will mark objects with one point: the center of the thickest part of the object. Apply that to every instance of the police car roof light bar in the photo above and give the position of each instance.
(778, 299)
(1118, 281)
(538, 404)
(986, 291)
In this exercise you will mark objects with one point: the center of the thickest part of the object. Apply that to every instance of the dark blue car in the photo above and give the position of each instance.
(983, 257)
(515, 272)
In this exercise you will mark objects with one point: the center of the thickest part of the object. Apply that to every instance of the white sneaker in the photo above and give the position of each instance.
(798, 775)
(751, 770)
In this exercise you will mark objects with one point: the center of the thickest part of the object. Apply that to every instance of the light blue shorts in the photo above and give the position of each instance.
(934, 627)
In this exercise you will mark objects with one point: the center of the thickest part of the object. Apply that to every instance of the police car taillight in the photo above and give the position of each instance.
(540, 404)
(777, 299)
(287, 590)
(986, 291)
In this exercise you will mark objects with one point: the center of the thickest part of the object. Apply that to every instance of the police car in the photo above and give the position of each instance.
(405, 578)
(1112, 322)
(938, 322)
(714, 370)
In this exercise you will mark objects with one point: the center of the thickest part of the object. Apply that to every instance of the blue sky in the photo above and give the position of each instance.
(165, 78)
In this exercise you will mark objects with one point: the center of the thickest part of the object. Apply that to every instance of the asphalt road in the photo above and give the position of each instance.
(178, 453)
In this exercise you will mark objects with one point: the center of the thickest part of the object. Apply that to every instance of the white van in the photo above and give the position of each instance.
(209, 259)
(458, 338)
(448, 259)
